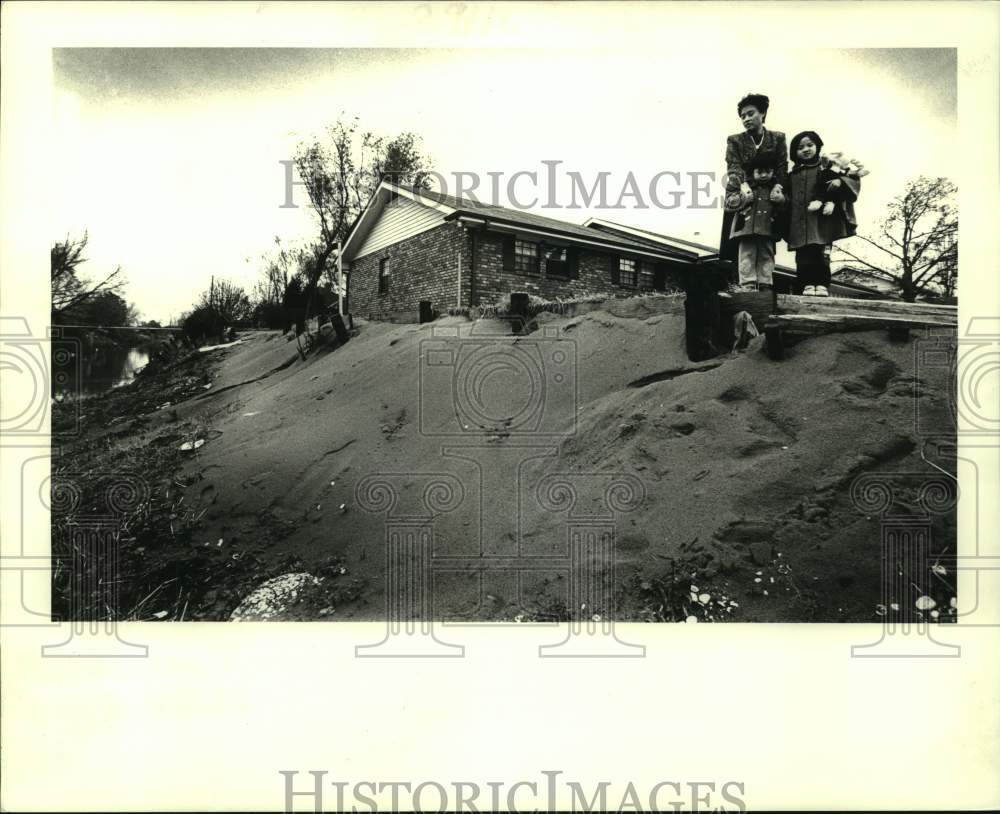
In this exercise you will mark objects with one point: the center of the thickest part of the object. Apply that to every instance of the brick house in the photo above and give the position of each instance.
(412, 245)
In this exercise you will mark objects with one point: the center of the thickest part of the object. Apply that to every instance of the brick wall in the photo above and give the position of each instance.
(423, 267)
(492, 282)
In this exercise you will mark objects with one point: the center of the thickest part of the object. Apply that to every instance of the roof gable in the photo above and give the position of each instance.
(501, 218)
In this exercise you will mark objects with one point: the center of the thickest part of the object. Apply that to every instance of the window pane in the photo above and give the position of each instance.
(626, 272)
(526, 258)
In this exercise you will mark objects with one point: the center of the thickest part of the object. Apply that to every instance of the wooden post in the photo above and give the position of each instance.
(518, 312)
(701, 313)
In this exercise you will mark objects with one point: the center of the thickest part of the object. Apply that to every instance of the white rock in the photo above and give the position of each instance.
(273, 597)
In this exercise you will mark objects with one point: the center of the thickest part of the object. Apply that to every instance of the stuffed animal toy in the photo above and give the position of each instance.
(834, 165)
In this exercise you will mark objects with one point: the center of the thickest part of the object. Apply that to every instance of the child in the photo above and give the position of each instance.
(758, 209)
(812, 225)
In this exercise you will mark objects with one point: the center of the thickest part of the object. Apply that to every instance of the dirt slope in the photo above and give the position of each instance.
(746, 466)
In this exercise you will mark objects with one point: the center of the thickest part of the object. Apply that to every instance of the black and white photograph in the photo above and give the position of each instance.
(567, 370)
(493, 324)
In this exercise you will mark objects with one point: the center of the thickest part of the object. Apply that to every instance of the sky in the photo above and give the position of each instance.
(171, 158)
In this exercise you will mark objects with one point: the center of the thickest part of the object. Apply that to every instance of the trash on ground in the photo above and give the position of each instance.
(207, 348)
(187, 446)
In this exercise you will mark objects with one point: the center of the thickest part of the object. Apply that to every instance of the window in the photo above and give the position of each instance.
(647, 274)
(526, 258)
(383, 275)
(557, 261)
(626, 272)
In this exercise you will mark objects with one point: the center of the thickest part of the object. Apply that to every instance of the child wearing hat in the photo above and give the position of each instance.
(758, 207)
(813, 227)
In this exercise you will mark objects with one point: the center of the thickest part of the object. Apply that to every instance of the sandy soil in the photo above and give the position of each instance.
(746, 465)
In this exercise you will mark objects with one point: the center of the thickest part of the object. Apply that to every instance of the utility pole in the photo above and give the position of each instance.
(340, 277)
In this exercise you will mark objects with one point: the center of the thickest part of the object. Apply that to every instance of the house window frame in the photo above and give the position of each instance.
(525, 263)
(647, 275)
(628, 272)
(384, 270)
(560, 268)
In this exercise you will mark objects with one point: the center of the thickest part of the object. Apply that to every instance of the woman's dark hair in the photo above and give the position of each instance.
(812, 135)
(757, 100)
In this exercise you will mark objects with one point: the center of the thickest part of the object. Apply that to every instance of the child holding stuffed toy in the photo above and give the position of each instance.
(755, 226)
(833, 167)
(821, 200)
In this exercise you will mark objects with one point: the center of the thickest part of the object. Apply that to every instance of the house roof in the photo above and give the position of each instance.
(698, 250)
(706, 253)
(513, 219)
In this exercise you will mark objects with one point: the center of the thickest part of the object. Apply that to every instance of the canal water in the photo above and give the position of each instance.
(81, 368)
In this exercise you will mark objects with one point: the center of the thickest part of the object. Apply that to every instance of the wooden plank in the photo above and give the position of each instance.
(833, 323)
(797, 304)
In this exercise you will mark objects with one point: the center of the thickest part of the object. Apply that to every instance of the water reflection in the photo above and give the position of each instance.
(99, 368)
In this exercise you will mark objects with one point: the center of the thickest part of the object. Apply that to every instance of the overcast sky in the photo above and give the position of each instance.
(170, 157)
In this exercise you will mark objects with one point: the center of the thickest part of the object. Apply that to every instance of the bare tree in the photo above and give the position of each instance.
(918, 241)
(279, 268)
(69, 290)
(341, 175)
(227, 301)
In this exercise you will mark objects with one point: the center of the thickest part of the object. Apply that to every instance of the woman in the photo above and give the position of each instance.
(741, 149)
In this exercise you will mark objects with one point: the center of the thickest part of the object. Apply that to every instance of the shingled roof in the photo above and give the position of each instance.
(455, 208)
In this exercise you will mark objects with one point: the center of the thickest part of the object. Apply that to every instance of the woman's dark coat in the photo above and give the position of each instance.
(740, 150)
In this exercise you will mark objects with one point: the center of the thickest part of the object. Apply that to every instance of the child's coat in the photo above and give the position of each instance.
(807, 228)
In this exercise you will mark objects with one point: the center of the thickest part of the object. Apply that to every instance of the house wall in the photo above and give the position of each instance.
(491, 281)
(422, 267)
